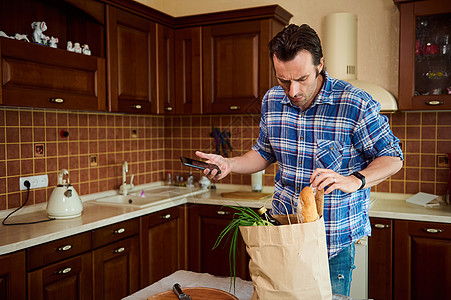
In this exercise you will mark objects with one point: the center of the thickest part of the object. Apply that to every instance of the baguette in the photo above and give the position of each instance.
(319, 199)
(307, 200)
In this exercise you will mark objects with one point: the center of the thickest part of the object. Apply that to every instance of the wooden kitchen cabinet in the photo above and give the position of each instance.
(163, 244)
(61, 267)
(205, 224)
(131, 61)
(116, 264)
(422, 260)
(188, 75)
(13, 276)
(237, 70)
(424, 55)
(40, 76)
(165, 70)
(380, 263)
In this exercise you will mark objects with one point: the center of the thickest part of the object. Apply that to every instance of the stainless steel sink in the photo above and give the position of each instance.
(147, 197)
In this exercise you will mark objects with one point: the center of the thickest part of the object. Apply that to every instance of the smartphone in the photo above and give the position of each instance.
(198, 164)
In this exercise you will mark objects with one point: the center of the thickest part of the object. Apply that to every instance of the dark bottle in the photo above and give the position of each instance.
(263, 212)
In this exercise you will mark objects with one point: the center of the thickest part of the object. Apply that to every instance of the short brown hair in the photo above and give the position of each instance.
(292, 39)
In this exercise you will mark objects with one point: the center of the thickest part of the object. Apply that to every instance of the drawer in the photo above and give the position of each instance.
(430, 230)
(57, 250)
(114, 232)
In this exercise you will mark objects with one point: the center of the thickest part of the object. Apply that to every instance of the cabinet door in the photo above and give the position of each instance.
(131, 53)
(188, 76)
(116, 269)
(163, 244)
(425, 55)
(380, 262)
(70, 279)
(236, 66)
(205, 224)
(12, 276)
(422, 265)
(165, 70)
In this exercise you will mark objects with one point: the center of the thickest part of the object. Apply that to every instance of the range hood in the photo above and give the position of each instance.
(340, 54)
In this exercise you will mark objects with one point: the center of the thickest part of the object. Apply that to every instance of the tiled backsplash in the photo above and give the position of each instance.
(152, 146)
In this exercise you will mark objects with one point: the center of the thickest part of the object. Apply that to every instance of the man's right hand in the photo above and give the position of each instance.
(221, 162)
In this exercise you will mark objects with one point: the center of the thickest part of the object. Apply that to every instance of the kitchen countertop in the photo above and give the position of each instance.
(14, 238)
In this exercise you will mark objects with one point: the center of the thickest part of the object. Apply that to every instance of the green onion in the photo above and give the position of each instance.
(244, 217)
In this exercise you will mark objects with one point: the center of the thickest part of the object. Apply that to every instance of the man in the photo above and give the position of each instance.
(325, 133)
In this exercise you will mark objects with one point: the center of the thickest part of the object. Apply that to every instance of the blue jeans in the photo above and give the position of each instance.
(340, 269)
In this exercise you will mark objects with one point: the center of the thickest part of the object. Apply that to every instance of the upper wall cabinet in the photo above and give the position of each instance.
(425, 55)
(237, 69)
(35, 75)
(131, 52)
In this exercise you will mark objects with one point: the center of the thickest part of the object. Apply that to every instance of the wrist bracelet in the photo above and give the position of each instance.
(361, 177)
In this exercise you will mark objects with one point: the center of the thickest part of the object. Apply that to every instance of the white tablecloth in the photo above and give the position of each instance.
(243, 288)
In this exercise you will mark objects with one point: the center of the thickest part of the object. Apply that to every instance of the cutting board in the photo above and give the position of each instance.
(246, 195)
(196, 293)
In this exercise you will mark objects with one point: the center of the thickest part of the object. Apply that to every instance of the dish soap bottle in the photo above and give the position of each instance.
(169, 178)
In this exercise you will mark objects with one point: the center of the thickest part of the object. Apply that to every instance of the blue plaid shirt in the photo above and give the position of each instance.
(342, 130)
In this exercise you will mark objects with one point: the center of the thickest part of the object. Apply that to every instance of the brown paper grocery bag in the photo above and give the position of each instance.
(288, 261)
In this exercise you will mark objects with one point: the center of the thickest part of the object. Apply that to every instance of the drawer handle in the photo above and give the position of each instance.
(433, 230)
(119, 231)
(121, 249)
(234, 107)
(434, 102)
(64, 271)
(381, 226)
(168, 216)
(137, 106)
(64, 248)
(169, 108)
(56, 100)
(222, 213)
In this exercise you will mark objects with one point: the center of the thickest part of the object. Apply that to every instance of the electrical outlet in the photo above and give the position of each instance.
(38, 181)
(442, 160)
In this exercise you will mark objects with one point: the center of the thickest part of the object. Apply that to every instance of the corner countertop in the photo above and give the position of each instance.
(14, 238)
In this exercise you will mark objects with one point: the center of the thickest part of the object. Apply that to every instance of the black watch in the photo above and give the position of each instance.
(361, 177)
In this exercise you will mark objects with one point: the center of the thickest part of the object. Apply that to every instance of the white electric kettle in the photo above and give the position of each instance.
(64, 202)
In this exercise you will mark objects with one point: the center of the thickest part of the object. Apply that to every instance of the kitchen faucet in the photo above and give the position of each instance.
(125, 188)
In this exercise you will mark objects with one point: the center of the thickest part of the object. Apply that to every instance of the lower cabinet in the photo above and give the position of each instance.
(422, 268)
(116, 269)
(205, 224)
(380, 265)
(163, 244)
(70, 279)
(13, 276)
(409, 260)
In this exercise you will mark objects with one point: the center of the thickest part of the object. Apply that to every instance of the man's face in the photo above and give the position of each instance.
(299, 78)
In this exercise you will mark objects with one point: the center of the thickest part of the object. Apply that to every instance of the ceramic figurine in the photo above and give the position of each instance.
(86, 49)
(53, 41)
(70, 47)
(77, 48)
(38, 35)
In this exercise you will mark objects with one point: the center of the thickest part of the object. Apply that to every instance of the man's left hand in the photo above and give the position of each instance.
(321, 178)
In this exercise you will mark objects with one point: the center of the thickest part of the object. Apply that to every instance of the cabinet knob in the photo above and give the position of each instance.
(168, 216)
(64, 271)
(381, 226)
(234, 107)
(169, 108)
(137, 106)
(56, 100)
(433, 230)
(64, 248)
(119, 231)
(222, 213)
(119, 250)
(434, 102)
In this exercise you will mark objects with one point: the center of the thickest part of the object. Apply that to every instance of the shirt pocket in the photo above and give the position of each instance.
(329, 154)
